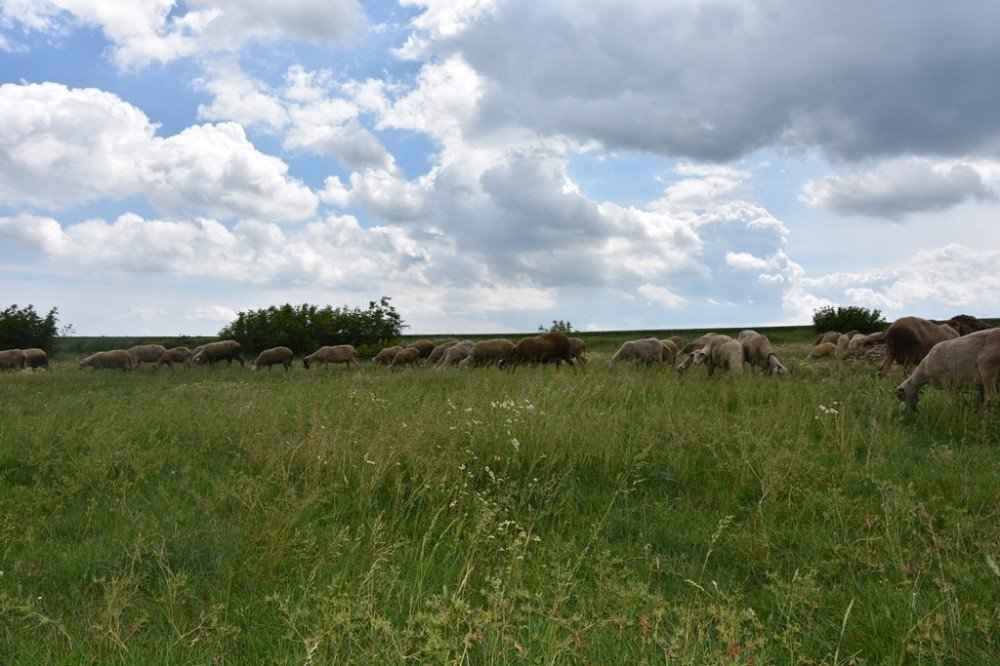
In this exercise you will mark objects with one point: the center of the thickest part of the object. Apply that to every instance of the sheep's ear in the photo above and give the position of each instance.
(900, 392)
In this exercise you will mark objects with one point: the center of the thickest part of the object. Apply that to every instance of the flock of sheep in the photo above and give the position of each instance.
(939, 352)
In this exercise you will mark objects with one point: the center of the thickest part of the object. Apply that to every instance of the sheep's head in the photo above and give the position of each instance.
(254, 367)
(305, 363)
(197, 358)
(908, 395)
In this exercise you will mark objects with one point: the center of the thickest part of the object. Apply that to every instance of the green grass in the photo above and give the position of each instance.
(618, 515)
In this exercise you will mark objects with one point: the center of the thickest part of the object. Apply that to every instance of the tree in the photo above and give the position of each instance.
(306, 327)
(557, 325)
(23, 328)
(849, 318)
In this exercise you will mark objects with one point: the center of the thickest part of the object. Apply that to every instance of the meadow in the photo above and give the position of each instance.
(616, 515)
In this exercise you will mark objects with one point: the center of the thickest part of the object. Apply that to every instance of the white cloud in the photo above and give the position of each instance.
(662, 295)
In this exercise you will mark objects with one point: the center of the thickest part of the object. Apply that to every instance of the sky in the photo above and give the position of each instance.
(494, 165)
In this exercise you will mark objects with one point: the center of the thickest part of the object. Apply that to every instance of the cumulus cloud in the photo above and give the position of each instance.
(898, 188)
(61, 146)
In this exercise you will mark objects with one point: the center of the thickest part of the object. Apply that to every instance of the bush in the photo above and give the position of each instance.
(557, 325)
(23, 328)
(849, 318)
(305, 328)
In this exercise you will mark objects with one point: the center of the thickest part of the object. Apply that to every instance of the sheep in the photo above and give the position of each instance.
(213, 352)
(425, 347)
(37, 358)
(455, 354)
(489, 352)
(386, 355)
(829, 336)
(646, 350)
(869, 340)
(116, 359)
(697, 343)
(146, 354)
(176, 355)
(823, 350)
(670, 350)
(678, 341)
(757, 351)
(909, 339)
(273, 356)
(332, 354)
(13, 359)
(970, 360)
(577, 349)
(408, 356)
(551, 347)
(439, 351)
(721, 351)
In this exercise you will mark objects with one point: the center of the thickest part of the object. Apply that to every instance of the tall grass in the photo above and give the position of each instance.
(614, 515)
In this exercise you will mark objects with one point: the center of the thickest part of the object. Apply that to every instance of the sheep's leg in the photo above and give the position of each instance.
(886, 364)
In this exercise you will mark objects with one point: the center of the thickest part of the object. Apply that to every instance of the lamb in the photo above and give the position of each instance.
(408, 356)
(489, 352)
(646, 350)
(670, 350)
(332, 354)
(386, 355)
(176, 355)
(823, 350)
(425, 347)
(439, 352)
(551, 347)
(146, 354)
(116, 359)
(909, 339)
(213, 352)
(37, 358)
(455, 354)
(577, 349)
(757, 351)
(13, 359)
(273, 356)
(970, 360)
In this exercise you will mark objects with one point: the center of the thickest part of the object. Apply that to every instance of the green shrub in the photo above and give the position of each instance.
(849, 318)
(23, 328)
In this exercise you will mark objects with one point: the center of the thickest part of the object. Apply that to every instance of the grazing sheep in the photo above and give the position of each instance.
(577, 349)
(386, 355)
(37, 358)
(721, 351)
(146, 354)
(646, 350)
(829, 336)
(971, 360)
(909, 339)
(116, 359)
(425, 347)
(670, 350)
(697, 343)
(823, 350)
(966, 324)
(13, 359)
(213, 352)
(332, 354)
(455, 354)
(176, 355)
(439, 352)
(757, 351)
(551, 347)
(869, 340)
(273, 356)
(408, 356)
(678, 341)
(489, 352)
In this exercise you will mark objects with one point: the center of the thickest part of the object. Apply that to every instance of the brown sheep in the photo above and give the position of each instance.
(408, 356)
(823, 350)
(646, 350)
(176, 355)
(966, 324)
(489, 352)
(116, 359)
(37, 358)
(213, 352)
(670, 350)
(971, 360)
(146, 354)
(757, 351)
(578, 349)
(455, 354)
(386, 355)
(439, 351)
(909, 339)
(13, 359)
(721, 351)
(425, 347)
(345, 354)
(273, 356)
(829, 336)
(678, 341)
(697, 343)
(551, 347)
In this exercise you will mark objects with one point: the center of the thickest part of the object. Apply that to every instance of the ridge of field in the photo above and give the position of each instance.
(613, 515)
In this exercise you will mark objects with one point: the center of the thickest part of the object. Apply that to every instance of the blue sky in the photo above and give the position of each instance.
(496, 164)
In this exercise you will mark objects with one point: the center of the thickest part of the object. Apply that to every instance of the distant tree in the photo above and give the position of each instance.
(557, 325)
(23, 328)
(304, 328)
(849, 318)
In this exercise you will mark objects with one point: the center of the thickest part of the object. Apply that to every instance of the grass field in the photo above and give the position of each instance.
(618, 515)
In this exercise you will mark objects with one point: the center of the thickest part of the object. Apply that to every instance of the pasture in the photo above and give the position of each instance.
(621, 515)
